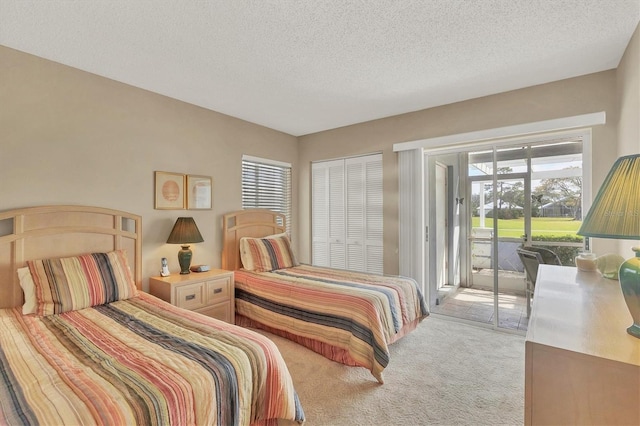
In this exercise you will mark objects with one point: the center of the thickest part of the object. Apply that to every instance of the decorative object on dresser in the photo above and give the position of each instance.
(615, 213)
(185, 232)
(609, 265)
(586, 261)
(210, 293)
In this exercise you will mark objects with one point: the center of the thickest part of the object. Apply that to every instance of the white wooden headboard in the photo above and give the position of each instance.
(58, 231)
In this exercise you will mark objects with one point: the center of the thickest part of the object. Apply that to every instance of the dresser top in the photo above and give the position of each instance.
(582, 312)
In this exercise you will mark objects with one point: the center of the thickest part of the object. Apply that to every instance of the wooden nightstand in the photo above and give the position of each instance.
(210, 293)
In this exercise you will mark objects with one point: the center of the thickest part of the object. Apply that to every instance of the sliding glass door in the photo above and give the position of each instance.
(499, 198)
(500, 220)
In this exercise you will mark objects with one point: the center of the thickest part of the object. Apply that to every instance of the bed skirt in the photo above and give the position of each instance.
(327, 350)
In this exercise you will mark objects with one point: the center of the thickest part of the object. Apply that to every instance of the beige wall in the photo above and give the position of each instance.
(581, 95)
(628, 92)
(71, 137)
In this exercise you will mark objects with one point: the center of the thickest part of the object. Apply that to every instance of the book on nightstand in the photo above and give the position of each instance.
(200, 268)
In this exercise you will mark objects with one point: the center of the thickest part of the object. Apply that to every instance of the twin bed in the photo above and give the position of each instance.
(96, 350)
(346, 316)
(81, 344)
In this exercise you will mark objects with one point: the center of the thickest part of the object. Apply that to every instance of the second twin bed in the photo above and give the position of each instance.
(349, 317)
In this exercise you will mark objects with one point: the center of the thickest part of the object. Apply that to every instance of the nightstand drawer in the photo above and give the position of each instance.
(218, 290)
(191, 296)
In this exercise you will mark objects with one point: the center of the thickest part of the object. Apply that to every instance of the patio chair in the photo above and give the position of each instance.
(531, 258)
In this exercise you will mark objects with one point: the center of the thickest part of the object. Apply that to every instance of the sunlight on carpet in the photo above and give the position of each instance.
(443, 373)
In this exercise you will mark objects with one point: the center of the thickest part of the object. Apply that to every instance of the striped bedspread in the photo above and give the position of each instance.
(139, 361)
(349, 317)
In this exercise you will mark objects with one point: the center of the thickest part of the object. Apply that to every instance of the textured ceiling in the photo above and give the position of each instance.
(310, 65)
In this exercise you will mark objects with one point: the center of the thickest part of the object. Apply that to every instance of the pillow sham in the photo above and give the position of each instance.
(78, 282)
(267, 254)
(29, 291)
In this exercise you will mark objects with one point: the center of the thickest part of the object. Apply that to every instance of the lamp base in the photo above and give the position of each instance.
(634, 330)
(184, 259)
(630, 283)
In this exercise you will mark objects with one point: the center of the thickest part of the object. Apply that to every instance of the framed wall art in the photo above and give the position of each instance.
(169, 191)
(199, 192)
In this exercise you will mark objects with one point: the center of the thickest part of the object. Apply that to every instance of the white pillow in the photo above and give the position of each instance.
(29, 290)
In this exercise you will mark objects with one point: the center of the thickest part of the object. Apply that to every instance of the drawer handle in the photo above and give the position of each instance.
(217, 290)
(190, 297)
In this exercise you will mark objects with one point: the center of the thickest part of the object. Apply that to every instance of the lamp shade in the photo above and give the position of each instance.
(185, 231)
(615, 212)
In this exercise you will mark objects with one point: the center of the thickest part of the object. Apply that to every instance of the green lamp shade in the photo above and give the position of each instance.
(615, 213)
(184, 232)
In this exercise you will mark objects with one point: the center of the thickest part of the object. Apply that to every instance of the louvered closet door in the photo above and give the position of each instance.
(355, 215)
(373, 214)
(320, 214)
(328, 225)
(364, 213)
(337, 252)
(347, 213)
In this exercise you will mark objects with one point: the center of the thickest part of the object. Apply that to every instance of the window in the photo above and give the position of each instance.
(266, 184)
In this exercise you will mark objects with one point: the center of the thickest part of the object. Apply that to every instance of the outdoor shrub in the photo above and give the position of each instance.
(566, 254)
(507, 213)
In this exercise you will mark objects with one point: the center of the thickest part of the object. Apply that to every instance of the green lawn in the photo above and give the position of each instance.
(514, 228)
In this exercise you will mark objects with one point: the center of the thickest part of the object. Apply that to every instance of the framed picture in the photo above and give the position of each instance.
(169, 191)
(199, 192)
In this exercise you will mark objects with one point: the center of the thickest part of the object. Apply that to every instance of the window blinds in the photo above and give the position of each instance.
(266, 184)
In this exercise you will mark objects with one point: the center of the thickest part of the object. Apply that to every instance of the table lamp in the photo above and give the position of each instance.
(615, 213)
(184, 232)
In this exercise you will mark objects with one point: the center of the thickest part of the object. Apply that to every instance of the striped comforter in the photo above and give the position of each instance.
(139, 361)
(349, 317)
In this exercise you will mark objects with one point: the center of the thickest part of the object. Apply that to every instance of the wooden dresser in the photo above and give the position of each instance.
(582, 368)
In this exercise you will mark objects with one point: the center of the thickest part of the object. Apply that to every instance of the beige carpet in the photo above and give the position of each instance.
(443, 373)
